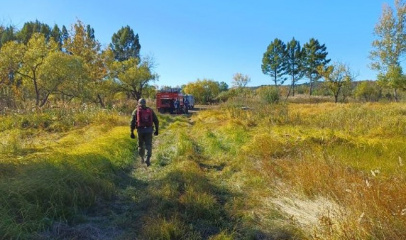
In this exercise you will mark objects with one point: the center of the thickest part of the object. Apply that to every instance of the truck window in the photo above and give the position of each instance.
(165, 101)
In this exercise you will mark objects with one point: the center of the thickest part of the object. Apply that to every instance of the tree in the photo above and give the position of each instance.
(57, 36)
(29, 28)
(7, 34)
(204, 91)
(314, 56)
(64, 34)
(11, 55)
(82, 43)
(240, 80)
(223, 86)
(390, 46)
(63, 74)
(125, 44)
(11, 58)
(34, 57)
(368, 91)
(133, 76)
(274, 61)
(393, 79)
(336, 77)
(294, 62)
(25, 62)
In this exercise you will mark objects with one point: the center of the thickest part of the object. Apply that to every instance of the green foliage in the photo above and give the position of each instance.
(204, 90)
(295, 57)
(274, 61)
(57, 64)
(132, 76)
(282, 59)
(7, 34)
(393, 79)
(125, 44)
(269, 94)
(223, 86)
(368, 91)
(226, 95)
(338, 78)
(30, 28)
(389, 47)
(315, 56)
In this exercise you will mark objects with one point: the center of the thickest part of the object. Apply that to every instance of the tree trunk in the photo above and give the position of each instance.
(395, 95)
(36, 92)
(100, 101)
(44, 100)
(311, 87)
(336, 97)
(290, 88)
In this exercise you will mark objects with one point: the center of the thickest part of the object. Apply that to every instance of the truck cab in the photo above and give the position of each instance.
(165, 100)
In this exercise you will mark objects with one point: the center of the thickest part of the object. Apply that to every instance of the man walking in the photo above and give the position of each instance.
(143, 118)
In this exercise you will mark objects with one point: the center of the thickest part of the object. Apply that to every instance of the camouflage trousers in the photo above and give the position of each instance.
(145, 144)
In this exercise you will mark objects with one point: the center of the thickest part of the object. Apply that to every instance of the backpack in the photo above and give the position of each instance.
(144, 117)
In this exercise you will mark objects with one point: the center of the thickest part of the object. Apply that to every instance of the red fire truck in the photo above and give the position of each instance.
(165, 100)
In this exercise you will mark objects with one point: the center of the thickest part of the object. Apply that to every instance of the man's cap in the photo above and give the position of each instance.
(142, 102)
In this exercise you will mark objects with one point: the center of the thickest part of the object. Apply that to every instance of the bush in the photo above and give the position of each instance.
(269, 94)
(368, 91)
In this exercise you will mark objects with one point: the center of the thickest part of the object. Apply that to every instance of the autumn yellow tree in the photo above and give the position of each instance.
(390, 46)
(204, 91)
(64, 75)
(11, 55)
(336, 77)
(82, 43)
(133, 76)
(26, 62)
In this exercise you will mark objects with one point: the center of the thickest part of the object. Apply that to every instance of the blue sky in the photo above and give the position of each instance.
(214, 39)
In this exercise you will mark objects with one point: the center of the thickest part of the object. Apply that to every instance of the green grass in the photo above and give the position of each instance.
(46, 178)
(224, 173)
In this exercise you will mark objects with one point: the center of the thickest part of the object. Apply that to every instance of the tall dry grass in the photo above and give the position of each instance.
(246, 170)
(350, 153)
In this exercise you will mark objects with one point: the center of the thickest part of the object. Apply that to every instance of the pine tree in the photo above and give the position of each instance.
(314, 56)
(7, 34)
(29, 28)
(274, 61)
(294, 61)
(57, 35)
(125, 44)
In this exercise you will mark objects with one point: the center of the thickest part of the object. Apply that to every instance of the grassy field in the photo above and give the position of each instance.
(280, 171)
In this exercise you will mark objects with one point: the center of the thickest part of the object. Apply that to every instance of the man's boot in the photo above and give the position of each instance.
(142, 160)
(148, 162)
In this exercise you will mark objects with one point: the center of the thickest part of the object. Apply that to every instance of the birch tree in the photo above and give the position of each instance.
(390, 46)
